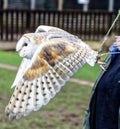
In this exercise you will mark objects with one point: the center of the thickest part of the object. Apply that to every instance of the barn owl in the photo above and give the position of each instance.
(50, 57)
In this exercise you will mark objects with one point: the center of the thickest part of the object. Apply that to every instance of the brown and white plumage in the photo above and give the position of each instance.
(50, 57)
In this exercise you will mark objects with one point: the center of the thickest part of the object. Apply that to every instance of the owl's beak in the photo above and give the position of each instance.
(18, 50)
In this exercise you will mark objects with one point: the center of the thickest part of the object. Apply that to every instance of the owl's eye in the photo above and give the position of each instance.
(25, 44)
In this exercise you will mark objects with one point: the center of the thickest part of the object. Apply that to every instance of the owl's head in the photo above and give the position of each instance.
(26, 46)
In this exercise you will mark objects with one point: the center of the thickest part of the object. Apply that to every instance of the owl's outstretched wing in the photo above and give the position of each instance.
(52, 65)
(44, 28)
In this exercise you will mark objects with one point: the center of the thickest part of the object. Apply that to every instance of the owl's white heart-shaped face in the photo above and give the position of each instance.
(25, 47)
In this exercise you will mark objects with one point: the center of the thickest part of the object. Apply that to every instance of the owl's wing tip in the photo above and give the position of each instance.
(11, 116)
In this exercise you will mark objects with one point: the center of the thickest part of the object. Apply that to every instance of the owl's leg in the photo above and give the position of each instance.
(100, 63)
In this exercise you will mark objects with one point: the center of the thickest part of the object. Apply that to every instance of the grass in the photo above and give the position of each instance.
(10, 57)
(7, 75)
(65, 111)
(87, 72)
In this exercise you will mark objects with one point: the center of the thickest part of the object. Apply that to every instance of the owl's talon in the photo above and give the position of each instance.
(101, 66)
(100, 63)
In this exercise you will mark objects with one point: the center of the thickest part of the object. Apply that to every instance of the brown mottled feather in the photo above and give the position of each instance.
(47, 57)
(38, 68)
